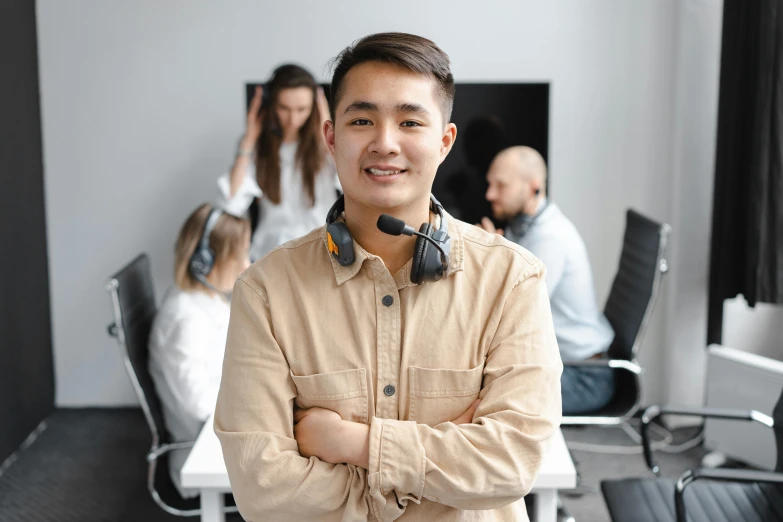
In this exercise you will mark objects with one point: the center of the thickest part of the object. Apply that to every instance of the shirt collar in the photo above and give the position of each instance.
(520, 224)
(403, 275)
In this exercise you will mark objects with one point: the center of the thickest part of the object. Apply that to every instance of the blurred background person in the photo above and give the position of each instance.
(517, 193)
(281, 164)
(188, 335)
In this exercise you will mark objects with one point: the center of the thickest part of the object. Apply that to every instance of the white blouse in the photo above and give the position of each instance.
(186, 347)
(293, 217)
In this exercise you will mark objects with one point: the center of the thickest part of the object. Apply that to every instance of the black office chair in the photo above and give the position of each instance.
(628, 309)
(133, 304)
(720, 494)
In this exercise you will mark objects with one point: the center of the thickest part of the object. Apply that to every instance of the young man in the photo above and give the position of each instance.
(349, 391)
(517, 192)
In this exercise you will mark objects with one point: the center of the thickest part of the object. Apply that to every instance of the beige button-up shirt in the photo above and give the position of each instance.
(405, 359)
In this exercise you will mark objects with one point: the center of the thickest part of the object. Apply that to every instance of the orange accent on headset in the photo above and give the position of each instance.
(333, 248)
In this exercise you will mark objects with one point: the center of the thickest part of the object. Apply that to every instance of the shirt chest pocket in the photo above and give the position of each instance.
(344, 392)
(440, 395)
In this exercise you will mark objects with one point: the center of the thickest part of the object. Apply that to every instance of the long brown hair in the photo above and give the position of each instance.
(310, 151)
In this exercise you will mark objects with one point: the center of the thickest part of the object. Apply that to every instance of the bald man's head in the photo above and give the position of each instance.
(517, 181)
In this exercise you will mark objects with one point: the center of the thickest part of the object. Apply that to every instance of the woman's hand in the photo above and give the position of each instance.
(254, 123)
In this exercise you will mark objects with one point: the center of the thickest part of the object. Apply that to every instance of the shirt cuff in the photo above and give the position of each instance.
(239, 203)
(397, 461)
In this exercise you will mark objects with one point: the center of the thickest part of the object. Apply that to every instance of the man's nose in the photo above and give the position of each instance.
(385, 142)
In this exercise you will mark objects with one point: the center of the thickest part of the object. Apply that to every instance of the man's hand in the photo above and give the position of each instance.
(487, 225)
(467, 415)
(322, 433)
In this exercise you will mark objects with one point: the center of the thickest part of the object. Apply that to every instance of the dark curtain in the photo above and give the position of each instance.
(26, 367)
(747, 223)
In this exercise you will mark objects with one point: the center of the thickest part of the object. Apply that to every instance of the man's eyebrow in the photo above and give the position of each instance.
(412, 108)
(403, 108)
(358, 106)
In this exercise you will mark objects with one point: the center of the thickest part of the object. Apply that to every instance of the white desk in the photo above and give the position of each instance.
(205, 470)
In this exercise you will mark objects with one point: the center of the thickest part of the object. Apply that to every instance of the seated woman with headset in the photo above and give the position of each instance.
(282, 172)
(188, 336)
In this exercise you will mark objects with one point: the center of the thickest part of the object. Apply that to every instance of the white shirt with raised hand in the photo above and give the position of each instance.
(293, 217)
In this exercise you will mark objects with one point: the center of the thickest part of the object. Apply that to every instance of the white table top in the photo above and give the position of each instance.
(205, 467)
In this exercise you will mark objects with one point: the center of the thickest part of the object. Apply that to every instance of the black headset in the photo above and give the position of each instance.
(525, 223)
(428, 262)
(203, 259)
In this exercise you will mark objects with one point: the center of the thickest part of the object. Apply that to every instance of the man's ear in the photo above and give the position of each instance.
(535, 187)
(329, 136)
(447, 141)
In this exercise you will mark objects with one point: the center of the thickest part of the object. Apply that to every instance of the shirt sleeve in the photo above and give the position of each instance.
(495, 460)
(254, 422)
(238, 204)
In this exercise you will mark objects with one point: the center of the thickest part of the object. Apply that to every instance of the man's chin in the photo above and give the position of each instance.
(381, 202)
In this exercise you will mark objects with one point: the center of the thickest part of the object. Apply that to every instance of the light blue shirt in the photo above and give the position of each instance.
(580, 327)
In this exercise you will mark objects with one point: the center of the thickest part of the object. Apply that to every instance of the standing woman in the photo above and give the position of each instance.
(282, 162)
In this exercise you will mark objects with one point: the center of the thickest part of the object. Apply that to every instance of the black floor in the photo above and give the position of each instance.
(88, 466)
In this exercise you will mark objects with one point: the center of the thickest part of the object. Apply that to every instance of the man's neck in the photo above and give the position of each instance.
(534, 206)
(394, 251)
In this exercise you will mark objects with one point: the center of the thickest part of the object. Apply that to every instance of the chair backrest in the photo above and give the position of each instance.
(777, 419)
(133, 303)
(635, 285)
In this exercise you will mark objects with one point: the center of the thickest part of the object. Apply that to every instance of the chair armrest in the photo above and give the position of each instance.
(158, 451)
(730, 475)
(653, 412)
(619, 364)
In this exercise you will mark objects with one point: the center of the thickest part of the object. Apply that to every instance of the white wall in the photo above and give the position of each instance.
(142, 105)
(756, 330)
(693, 140)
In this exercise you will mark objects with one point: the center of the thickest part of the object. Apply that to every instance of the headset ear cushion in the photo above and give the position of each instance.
(201, 263)
(340, 243)
(420, 255)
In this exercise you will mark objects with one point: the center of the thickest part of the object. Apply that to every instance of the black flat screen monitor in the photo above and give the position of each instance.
(489, 118)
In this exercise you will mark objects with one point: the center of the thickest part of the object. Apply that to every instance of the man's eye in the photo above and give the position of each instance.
(361, 122)
(411, 124)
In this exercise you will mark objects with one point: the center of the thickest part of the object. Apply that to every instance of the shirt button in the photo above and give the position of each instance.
(387, 301)
(389, 390)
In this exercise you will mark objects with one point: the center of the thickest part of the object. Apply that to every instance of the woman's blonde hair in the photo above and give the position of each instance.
(227, 240)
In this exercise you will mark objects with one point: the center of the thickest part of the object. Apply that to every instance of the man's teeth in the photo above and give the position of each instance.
(377, 172)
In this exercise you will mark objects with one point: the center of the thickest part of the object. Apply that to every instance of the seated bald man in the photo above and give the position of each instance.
(517, 192)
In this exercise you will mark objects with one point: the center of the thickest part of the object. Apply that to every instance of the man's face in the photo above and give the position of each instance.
(508, 191)
(388, 137)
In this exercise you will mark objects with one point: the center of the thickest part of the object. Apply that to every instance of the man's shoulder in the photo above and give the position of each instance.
(292, 258)
(558, 229)
(494, 252)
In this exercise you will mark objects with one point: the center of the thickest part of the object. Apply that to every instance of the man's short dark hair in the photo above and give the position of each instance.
(408, 51)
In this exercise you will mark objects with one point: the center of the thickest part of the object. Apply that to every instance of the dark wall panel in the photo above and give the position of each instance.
(26, 366)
